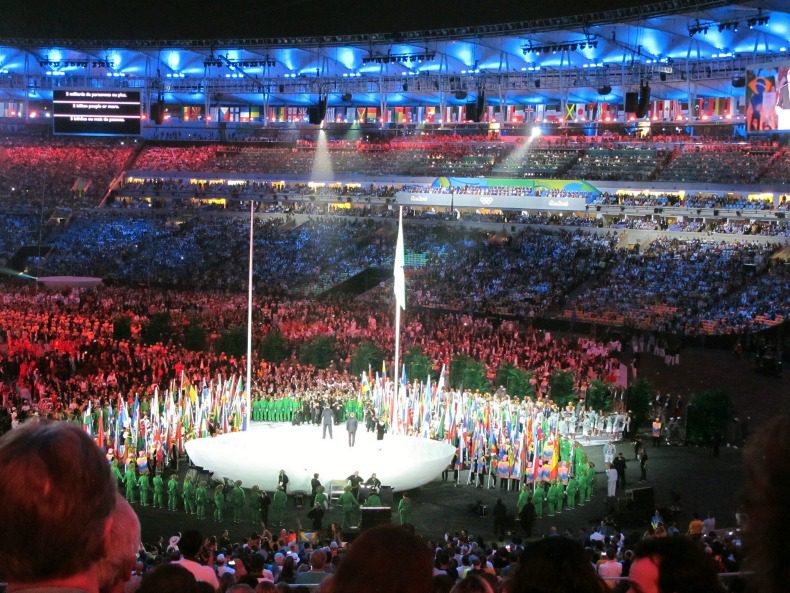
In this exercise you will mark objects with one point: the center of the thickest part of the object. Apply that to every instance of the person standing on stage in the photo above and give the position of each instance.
(282, 481)
(404, 509)
(381, 428)
(373, 482)
(348, 502)
(327, 420)
(316, 516)
(355, 480)
(351, 427)
(315, 484)
(264, 502)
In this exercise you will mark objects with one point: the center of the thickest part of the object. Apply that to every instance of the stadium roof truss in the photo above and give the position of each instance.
(681, 48)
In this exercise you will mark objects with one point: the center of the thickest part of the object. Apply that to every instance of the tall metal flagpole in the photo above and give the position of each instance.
(247, 397)
(400, 295)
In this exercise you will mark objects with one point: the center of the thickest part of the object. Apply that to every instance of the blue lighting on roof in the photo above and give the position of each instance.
(173, 60)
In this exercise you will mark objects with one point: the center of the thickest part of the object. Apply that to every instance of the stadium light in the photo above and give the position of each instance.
(390, 58)
(535, 132)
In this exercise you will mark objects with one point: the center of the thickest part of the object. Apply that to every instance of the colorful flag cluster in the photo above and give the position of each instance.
(160, 426)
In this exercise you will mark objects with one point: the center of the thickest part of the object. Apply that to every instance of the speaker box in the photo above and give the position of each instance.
(631, 102)
(644, 101)
(385, 494)
(373, 516)
(643, 499)
(481, 107)
(158, 112)
(471, 112)
(605, 90)
(738, 82)
(317, 114)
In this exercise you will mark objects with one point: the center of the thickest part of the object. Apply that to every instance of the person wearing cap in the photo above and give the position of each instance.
(222, 567)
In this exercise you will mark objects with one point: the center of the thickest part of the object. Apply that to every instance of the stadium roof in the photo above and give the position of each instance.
(678, 46)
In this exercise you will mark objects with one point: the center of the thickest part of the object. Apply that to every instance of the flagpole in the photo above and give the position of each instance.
(248, 384)
(400, 295)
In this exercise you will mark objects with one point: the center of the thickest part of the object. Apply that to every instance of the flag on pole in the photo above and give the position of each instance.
(400, 279)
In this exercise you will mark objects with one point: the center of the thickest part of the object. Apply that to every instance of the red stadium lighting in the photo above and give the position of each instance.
(33, 114)
(679, 117)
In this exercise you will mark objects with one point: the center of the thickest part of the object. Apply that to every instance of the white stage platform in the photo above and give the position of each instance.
(256, 456)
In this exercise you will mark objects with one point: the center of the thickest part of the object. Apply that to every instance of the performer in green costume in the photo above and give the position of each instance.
(159, 491)
(219, 503)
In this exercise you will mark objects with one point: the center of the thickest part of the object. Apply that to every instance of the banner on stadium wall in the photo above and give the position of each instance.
(768, 98)
(563, 185)
(478, 201)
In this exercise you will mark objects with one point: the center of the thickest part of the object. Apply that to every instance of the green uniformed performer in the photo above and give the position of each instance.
(570, 492)
(144, 483)
(159, 491)
(405, 508)
(201, 499)
(116, 472)
(172, 493)
(538, 496)
(348, 502)
(237, 501)
(279, 501)
(188, 492)
(321, 498)
(130, 479)
(523, 497)
(219, 503)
